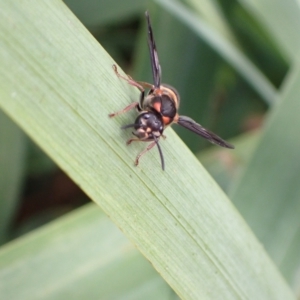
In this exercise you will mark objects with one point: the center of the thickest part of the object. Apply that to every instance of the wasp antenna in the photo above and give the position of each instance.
(128, 126)
(156, 70)
(160, 153)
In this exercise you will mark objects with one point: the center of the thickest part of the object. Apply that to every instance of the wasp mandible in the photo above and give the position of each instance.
(159, 108)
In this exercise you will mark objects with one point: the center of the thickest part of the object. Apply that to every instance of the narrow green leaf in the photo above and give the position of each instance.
(80, 256)
(280, 17)
(57, 83)
(268, 194)
(212, 13)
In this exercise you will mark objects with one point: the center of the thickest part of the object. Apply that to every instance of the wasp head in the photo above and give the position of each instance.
(148, 126)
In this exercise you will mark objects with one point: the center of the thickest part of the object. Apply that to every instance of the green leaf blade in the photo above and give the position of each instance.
(272, 175)
(90, 258)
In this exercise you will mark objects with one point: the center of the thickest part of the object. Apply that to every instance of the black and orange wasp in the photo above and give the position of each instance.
(159, 108)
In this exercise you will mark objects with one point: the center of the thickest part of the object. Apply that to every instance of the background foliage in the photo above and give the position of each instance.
(235, 65)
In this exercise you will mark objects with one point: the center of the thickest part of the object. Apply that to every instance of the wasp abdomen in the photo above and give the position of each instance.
(165, 107)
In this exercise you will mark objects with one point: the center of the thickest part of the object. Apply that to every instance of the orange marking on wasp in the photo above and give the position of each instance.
(167, 120)
(157, 106)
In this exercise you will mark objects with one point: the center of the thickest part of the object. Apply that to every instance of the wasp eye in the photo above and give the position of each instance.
(146, 116)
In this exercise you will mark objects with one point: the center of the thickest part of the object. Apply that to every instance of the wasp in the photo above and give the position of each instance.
(159, 108)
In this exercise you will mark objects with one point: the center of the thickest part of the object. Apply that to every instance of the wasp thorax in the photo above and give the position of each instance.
(148, 124)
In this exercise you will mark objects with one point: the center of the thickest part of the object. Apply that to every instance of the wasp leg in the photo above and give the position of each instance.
(135, 140)
(131, 82)
(145, 84)
(127, 108)
(150, 146)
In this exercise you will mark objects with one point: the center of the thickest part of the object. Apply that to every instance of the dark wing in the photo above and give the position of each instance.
(191, 125)
(156, 72)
